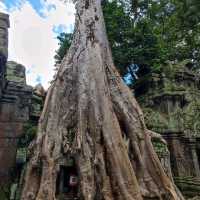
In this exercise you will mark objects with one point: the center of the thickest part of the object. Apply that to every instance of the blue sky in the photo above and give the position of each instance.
(32, 35)
(37, 5)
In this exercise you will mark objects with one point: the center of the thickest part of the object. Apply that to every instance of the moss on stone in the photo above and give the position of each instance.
(160, 148)
(29, 133)
(188, 185)
(15, 73)
(170, 85)
(154, 120)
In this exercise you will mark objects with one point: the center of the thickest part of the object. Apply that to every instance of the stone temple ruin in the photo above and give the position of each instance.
(4, 25)
(170, 98)
(20, 108)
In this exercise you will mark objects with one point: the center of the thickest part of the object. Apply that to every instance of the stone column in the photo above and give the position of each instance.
(4, 25)
(177, 155)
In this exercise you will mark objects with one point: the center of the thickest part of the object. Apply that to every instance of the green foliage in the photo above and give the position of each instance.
(160, 147)
(29, 133)
(4, 192)
(154, 120)
(65, 40)
(148, 34)
(166, 31)
(131, 43)
(71, 133)
(191, 117)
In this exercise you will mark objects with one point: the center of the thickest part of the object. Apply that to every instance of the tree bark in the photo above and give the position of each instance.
(90, 115)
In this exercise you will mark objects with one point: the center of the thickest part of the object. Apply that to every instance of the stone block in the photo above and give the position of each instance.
(4, 25)
(15, 73)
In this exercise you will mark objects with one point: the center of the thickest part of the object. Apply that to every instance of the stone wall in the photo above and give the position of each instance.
(14, 112)
(4, 25)
(170, 99)
(19, 104)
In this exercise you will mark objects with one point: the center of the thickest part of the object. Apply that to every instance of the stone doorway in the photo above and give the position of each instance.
(198, 155)
(67, 183)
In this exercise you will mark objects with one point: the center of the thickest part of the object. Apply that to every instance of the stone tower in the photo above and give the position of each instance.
(19, 104)
(15, 96)
(4, 25)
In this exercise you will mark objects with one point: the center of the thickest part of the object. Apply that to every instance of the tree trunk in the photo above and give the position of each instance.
(90, 116)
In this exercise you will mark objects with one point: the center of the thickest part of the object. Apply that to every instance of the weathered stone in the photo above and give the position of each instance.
(17, 104)
(195, 198)
(14, 112)
(37, 101)
(171, 103)
(15, 73)
(4, 25)
(190, 187)
(39, 90)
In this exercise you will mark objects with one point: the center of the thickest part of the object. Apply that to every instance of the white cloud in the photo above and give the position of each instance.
(32, 41)
(2, 7)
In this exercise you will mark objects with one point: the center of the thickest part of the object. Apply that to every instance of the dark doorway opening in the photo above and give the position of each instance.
(67, 182)
(198, 155)
(70, 179)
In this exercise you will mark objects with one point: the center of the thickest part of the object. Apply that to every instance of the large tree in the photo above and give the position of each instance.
(146, 34)
(91, 116)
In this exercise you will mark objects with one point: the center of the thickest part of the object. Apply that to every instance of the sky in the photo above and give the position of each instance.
(34, 26)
